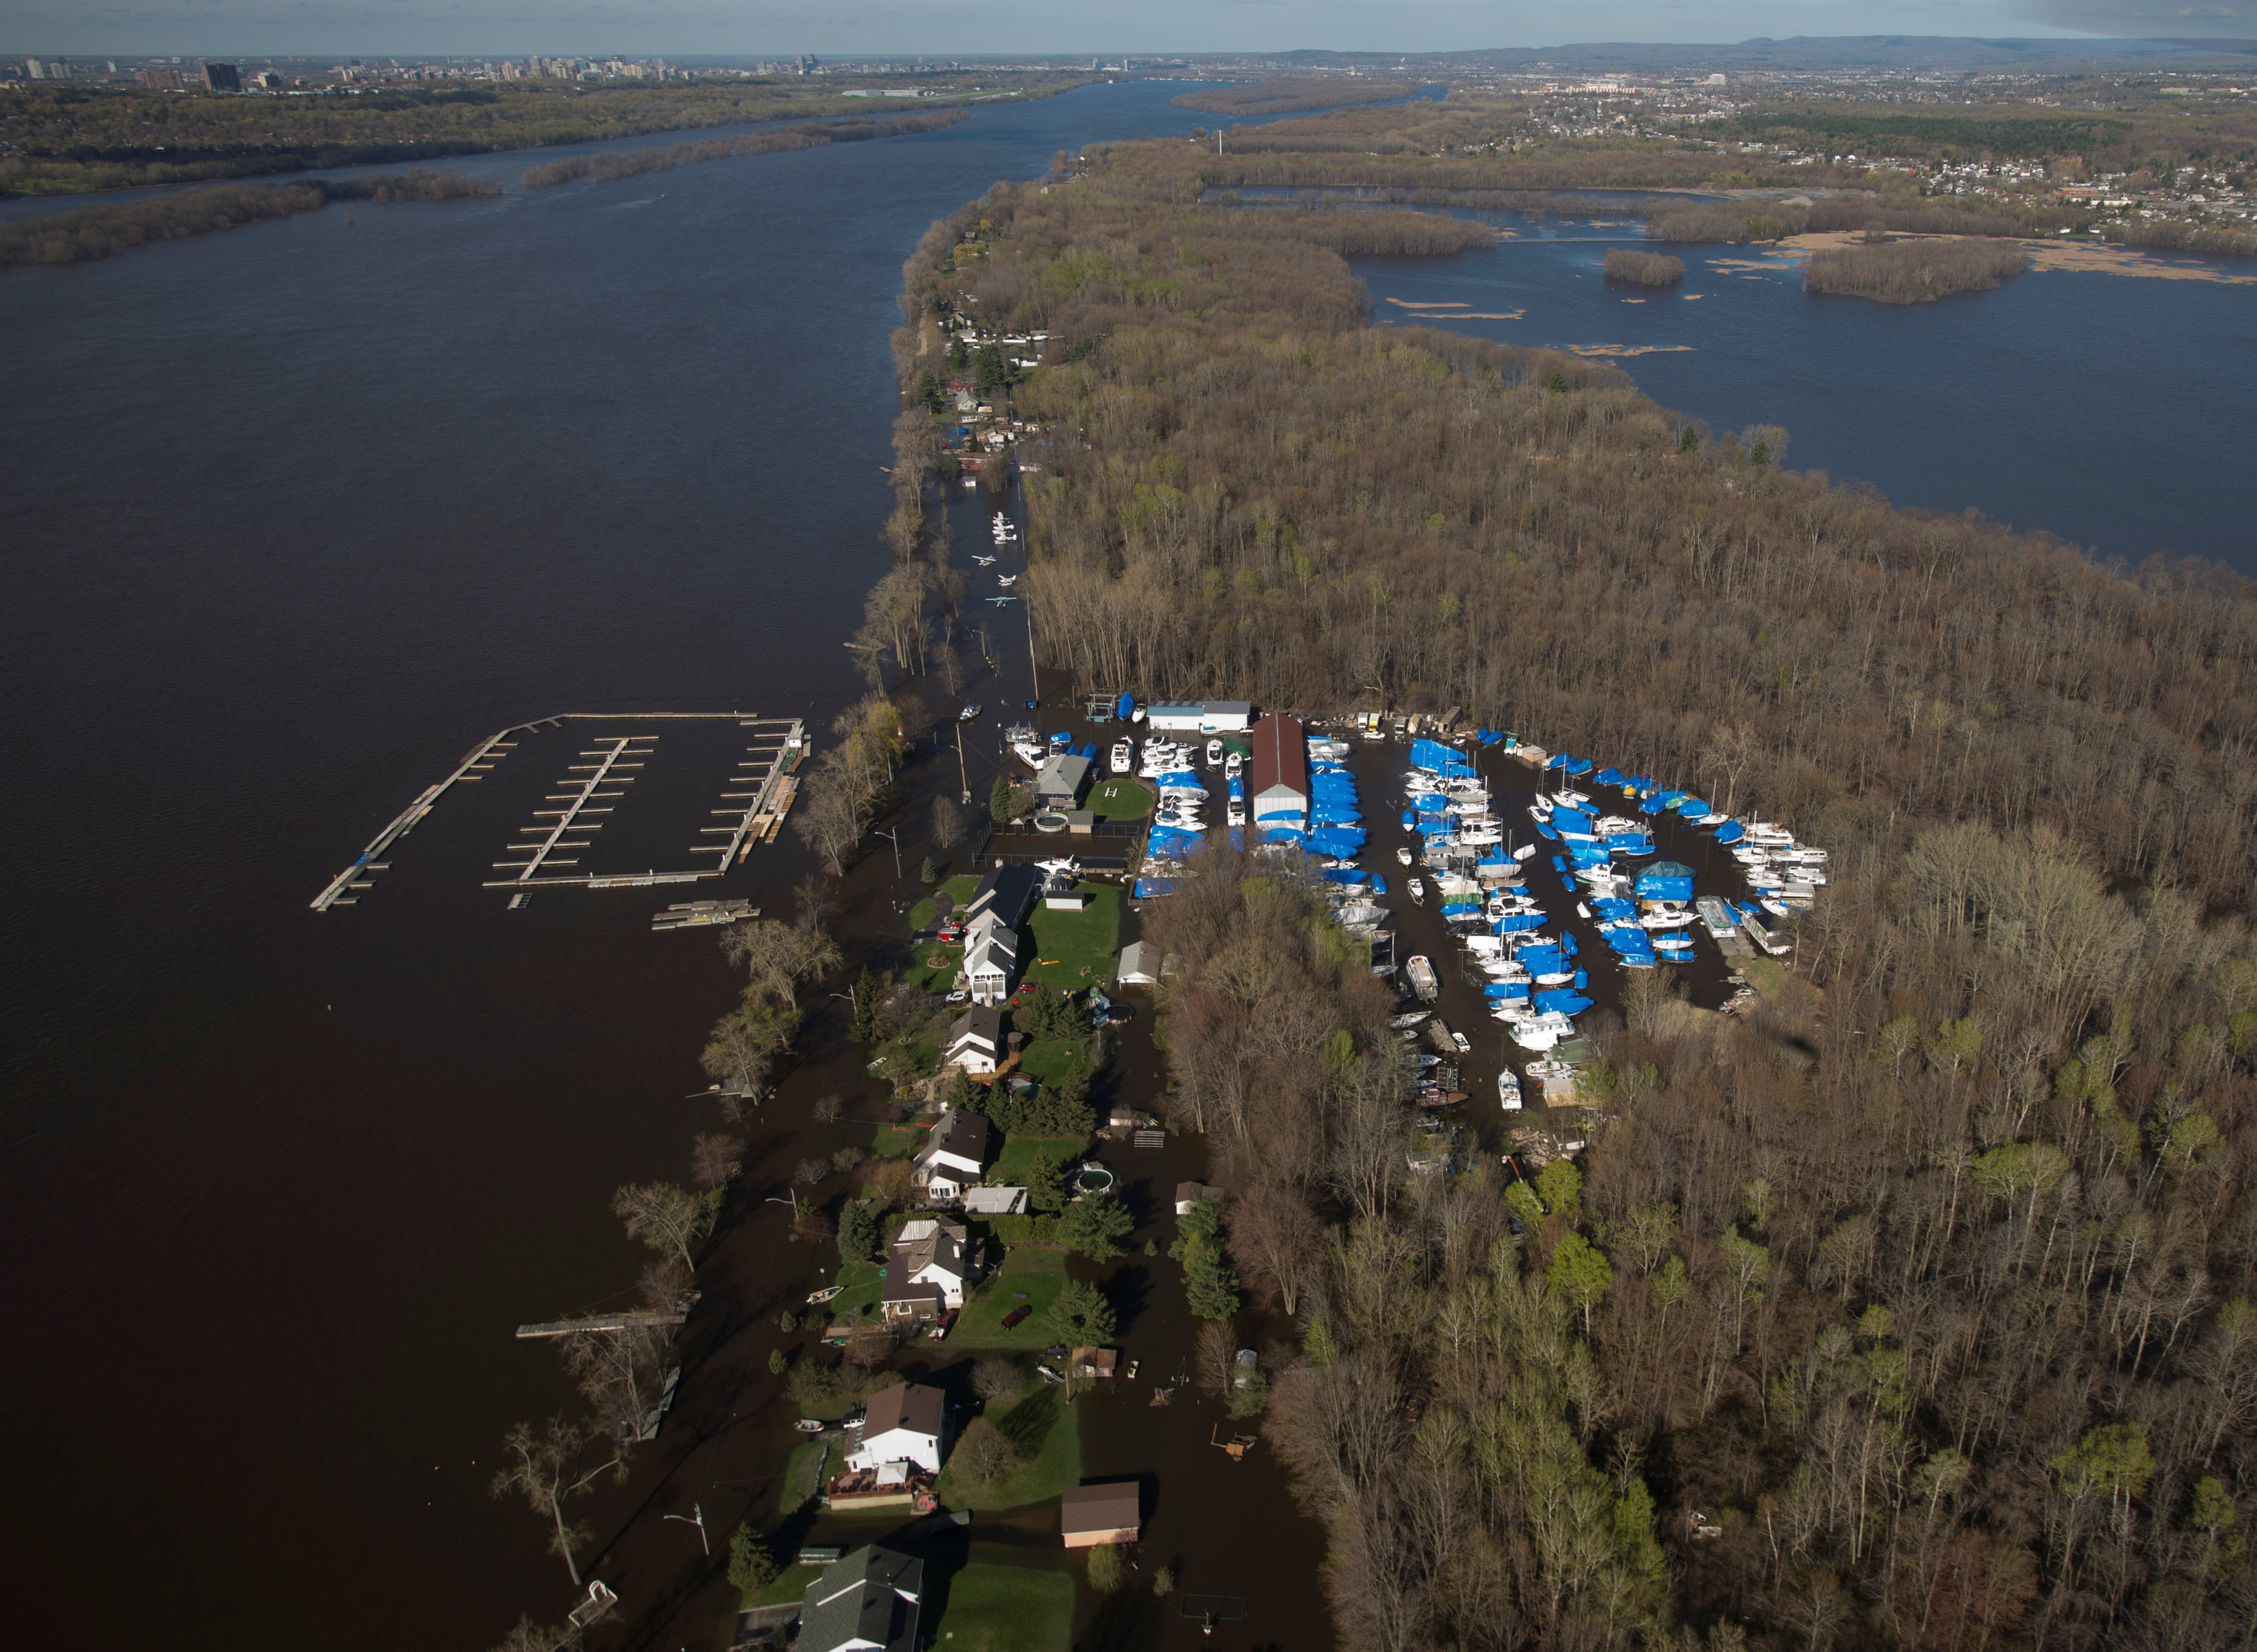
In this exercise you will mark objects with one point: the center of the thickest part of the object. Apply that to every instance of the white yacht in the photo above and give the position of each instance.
(1124, 756)
(1213, 752)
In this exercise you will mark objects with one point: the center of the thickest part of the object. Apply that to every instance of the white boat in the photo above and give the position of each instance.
(1541, 1032)
(1417, 888)
(1403, 855)
(1408, 1018)
(1235, 812)
(1124, 756)
(1007, 580)
(1524, 852)
(1508, 1090)
(1136, 715)
(1027, 745)
(1423, 981)
(1232, 763)
(1213, 752)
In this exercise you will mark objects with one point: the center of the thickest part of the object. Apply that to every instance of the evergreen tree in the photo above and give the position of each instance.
(751, 1564)
(1045, 1188)
(868, 989)
(1096, 1225)
(858, 1231)
(1209, 1284)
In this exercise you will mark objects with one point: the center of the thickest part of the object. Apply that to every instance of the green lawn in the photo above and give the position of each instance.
(1052, 1060)
(959, 889)
(929, 977)
(895, 1141)
(1047, 1432)
(1019, 1154)
(1078, 949)
(1120, 799)
(1039, 1275)
(790, 1584)
(996, 1608)
(803, 1477)
(1767, 975)
(863, 1280)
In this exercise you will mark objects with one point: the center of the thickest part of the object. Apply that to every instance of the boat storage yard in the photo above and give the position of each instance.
(1540, 885)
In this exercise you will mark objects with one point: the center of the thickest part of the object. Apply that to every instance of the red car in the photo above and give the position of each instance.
(941, 1326)
(1015, 1315)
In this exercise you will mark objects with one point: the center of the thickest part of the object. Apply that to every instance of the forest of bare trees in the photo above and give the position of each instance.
(1911, 1309)
(1642, 269)
(630, 163)
(96, 232)
(1913, 271)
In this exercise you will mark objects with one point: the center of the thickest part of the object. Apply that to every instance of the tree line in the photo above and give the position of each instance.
(77, 237)
(1914, 1307)
(631, 163)
(1642, 269)
(1291, 95)
(57, 139)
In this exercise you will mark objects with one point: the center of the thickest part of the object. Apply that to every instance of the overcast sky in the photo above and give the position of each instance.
(780, 27)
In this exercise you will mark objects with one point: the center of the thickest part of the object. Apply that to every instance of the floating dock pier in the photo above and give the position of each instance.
(763, 787)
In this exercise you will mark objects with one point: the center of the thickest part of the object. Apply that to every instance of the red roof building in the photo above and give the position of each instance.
(1280, 768)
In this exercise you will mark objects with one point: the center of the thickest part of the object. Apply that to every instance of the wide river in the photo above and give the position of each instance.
(295, 515)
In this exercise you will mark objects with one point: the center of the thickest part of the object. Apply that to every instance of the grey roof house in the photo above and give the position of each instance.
(869, 1602)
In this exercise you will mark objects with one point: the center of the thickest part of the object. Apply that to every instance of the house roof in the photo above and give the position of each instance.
(926, 1293)
(983, 1025)
(1116, 1507)
(1008, 891)
(1192, 1192)
(925, 1243)
(872, 1598)
(963, 1134)
(993, 1201)
(1281, 757)
(906, 1405)
(1063, 775)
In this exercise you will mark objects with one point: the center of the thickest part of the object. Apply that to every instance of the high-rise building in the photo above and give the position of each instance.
(35, 69)
(222, 77)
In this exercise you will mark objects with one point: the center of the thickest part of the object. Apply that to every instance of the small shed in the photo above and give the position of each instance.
(1188, 1194)
(1098, 1364)
(1089, 1515)
(1141, 964)
(1227, 717)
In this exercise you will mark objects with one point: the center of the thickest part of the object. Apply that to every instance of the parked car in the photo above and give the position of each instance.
(1015, 1315)
(940, 1326)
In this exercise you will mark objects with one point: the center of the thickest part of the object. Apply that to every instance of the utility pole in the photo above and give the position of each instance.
(1034, 670)
(894, 836)
(962, 774)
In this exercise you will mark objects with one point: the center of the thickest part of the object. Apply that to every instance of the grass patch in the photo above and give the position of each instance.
(1047, 1433)
(1075, 950)
(862, 1282)
(1120, 799)
(1767, 975)
(1019, 1154)
(1053, 1061)
(803, 1475)
(925, 975)
(896, 1141)
(789, 1585)
(993, 1607)
(1027, 1279)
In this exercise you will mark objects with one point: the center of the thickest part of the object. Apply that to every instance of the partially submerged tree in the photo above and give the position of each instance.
(668, 1217)
(547, 1470)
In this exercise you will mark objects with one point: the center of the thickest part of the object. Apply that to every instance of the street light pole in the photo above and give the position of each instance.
(896, 837)
(699, 1522)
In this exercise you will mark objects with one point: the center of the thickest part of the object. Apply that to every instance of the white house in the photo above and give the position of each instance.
(991, 959)
(1140, 963)
(951, 1161)
(907, 1423)
(975, 1042)
(930, 1250)
(996, 1202)
(1226, 716)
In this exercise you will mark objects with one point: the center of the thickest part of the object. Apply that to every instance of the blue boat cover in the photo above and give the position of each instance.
(1125, 707)
(1344, 874)
(1145, 888)
(1064, 736)
(1433, 801)
(1614, 909)
(1459, 908)
(1558, 761)
(1666, 880)
(1237, 839)
(1691, 808)
(1238, 787)
(1505, 989)
(1088, 751)
(1730, 832)
(1562, 1000)
(1546, 833)
(1544, 960)
(1518, 923)
(1437, 758)
(1284, 834)
(1567, 945)
(1572, 820)
(1170, 843)
(1409, 819)
(1181, 781)
(1337, 843)
(1581, 766)
(1490, 736)
(1609, 777)
(1583, 980)
(1378, 884)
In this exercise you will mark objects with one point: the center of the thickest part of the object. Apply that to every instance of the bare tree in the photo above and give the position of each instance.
(947, 822)
(827, 1109)
(1275, 1237)
(984, 1455)
(1215, 1356)
(716, 1158)
(546, 1469)
(778, 956)
(528, 1636)
(998, 1378)
(811, 901)
(668, 1217)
